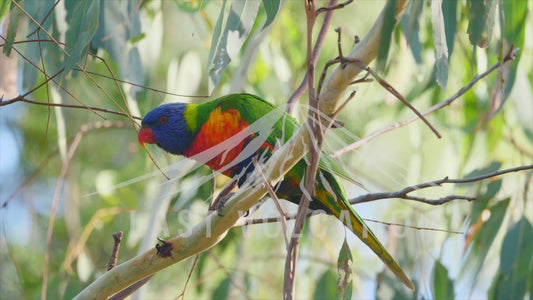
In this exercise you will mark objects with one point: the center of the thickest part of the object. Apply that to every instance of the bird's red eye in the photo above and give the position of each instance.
(163, 119)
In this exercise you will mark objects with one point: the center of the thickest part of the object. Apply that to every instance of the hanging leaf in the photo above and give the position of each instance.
(344, 269)
(449, 12)
(442, 284)
(239, 24)
(411, 27)
(481, 21)
(441, 48)
(14, 17)
(83, 20)
(38, 9)
(389, 22)
(491, 221)
(119, 25)
(515, 31)
(271, 8)
(516, 262)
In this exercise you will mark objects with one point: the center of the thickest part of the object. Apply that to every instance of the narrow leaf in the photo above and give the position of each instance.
(222, 291)
(515, 30)
(344, 269)
(492, 189)
(271, 8)
(4, 8)
(480, 246)
(83, 26)
(449, 12)
(389, 22)
(481, 21)
(120, 14)
(14, 17)
(441, 48)
(442, 284)
(516, 262)
(215, 40)
(325, 287)
(411, 26)
(493, 167)
(239, 24)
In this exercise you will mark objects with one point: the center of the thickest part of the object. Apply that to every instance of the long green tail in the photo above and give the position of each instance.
(358, 226)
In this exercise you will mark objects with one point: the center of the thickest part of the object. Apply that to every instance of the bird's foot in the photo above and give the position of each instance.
(220, 202)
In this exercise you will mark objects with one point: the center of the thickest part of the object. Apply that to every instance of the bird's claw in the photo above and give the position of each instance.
(221, 202)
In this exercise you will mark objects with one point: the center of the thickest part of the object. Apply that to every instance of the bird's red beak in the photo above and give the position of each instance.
(146, 135)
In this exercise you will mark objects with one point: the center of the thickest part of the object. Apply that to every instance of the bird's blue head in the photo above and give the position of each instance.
(167, 127)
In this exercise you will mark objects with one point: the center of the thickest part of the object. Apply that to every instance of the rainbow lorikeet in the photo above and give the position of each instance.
(226, 134)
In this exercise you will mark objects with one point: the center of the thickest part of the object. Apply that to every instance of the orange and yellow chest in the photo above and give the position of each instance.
(220, 140)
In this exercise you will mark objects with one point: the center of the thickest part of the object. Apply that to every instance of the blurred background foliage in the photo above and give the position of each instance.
(159, 49)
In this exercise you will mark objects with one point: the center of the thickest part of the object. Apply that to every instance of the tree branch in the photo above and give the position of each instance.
(316, 51)
(403, 193)
(21, 98)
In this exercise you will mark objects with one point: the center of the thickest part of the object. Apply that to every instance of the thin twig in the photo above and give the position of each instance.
(195, 262)
(275, 198)
(258, 221)
(400, 97)
(315, 145)
(316, 53)
(45, 76)
(45, 18)
(113, 259)
(130, 289)
(140, 85)
(73, 146)
(92, 108)
(332, 7)
(413, 227)
(403, 193)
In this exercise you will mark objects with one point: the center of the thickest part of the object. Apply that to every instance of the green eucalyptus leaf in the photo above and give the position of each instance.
(481, 21)
(411, 27)
(326, 286)
(441, 48)
(344, 269)
(239, 24)
(272, 8)
(442, 284)
(84, 21)
(389, 22)
(479, 247)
